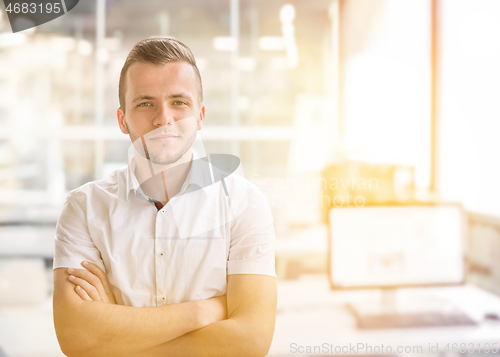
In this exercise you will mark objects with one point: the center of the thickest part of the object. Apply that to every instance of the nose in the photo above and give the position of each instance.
(163, 117)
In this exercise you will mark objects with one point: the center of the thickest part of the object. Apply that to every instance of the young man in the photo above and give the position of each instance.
(178, 265)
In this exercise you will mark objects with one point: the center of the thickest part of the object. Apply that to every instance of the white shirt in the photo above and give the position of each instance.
(182, 252)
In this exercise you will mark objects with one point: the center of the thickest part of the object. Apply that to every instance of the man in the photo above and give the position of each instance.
(177, 265)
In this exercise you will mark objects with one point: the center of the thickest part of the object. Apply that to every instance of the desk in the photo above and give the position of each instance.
(310, 314)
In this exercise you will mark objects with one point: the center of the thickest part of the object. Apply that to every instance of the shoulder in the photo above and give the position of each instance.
(247, 198)
(239, 186)
(106, 186)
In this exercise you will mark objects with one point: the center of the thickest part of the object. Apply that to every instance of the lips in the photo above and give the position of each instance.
(164, 138)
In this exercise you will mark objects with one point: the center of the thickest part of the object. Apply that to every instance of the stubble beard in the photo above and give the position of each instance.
(155, 156)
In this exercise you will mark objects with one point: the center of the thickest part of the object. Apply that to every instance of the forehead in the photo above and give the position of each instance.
(172, 76)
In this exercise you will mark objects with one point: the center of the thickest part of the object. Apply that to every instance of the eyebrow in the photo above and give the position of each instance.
(175, 95)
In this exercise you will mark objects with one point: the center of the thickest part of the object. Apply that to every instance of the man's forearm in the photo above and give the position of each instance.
(231, 337)
(251, 307)
(101, 329)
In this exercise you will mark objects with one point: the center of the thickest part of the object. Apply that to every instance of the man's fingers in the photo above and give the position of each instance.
(94, 269)
(82, 293)
(109, 297)
(89, 288)
(93, 280)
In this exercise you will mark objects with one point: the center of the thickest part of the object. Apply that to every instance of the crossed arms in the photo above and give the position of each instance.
(89, 323)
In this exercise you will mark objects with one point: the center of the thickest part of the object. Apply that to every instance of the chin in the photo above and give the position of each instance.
(165, 159)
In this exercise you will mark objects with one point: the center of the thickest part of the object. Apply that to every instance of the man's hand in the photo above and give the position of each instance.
(213, 309)
(108, 330)
(91, 283)
(248, 330)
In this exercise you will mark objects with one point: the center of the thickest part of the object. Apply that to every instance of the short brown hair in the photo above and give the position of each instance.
(159, 50)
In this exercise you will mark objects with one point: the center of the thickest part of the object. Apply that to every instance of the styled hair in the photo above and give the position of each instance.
(158, 50)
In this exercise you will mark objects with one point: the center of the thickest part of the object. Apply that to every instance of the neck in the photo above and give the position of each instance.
(162, 182)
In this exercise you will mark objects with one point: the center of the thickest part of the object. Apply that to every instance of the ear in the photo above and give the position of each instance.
(121, 121)
(201, 117)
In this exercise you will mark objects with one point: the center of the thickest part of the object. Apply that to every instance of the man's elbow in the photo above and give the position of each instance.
(258, 352)
(70, 350)
(262, 348)
(73, 346)
(253, 349)
(74, 349)
(75, 342)
(258, 344)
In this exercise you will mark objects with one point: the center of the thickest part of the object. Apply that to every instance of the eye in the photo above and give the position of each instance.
(179, 102)
(141, 104)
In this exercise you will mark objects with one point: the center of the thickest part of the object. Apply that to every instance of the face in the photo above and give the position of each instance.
(162, 113)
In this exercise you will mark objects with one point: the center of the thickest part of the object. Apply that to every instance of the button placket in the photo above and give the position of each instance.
(165, 235)
(159, 257)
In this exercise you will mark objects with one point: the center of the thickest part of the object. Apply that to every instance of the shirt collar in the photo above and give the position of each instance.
(199, 176)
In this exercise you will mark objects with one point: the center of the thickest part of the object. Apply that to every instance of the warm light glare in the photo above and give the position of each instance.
(469, 104)
(387, 87)
(287, 13)
(12, 39)
(225, 43)
(271, 43)
(84, 48)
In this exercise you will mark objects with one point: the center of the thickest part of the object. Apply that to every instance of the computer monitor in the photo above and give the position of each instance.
(396, 246)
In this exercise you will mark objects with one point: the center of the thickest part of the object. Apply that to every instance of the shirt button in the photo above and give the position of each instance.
(163, 298)
(161, 254)
(162, 211)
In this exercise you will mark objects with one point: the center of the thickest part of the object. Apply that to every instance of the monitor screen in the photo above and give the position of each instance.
(391, 246)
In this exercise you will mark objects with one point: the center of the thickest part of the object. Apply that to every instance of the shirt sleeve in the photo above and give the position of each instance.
(73, 242)
(251, 250)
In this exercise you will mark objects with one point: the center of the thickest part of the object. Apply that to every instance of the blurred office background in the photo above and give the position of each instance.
(328, 103)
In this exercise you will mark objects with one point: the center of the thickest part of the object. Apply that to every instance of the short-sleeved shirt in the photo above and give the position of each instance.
(181, 252)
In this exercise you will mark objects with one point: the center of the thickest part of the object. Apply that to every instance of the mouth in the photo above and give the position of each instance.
(164, 138)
